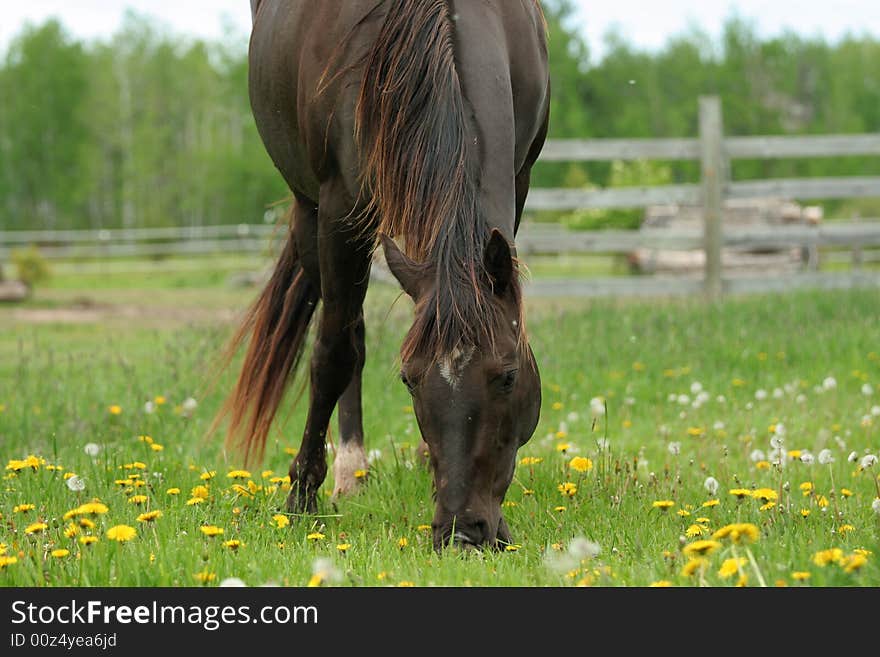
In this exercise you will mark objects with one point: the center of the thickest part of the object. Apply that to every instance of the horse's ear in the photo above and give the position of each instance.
(498, 261)
(407, 272)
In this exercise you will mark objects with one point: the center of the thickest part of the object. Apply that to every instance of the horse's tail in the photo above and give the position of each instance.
(277, 324)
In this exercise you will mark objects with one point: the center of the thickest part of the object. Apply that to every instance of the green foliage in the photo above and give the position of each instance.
(30, 265)
(151, 129)
(623, 174)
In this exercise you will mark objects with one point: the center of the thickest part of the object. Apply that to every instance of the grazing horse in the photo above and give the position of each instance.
(418, 120)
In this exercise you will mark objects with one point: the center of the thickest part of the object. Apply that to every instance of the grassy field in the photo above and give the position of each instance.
(679, 444)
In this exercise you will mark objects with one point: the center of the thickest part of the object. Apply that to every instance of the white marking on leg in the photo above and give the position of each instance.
(453, 364)
(349, 468)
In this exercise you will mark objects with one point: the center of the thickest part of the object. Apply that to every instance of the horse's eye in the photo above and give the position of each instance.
(506, 380)
(407, 382)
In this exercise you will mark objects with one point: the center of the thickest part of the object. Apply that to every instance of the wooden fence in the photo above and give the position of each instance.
(711, 148)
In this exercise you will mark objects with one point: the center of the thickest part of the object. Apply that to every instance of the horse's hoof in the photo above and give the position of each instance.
(350, 468)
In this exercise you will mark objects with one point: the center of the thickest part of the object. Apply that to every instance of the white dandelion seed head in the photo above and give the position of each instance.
(696, 403)
(696, 387)
(829, 383)
(777, 442)
(629, 401)
(757, 455)
(840, 442)
(703, 397)
(868, 460)
(597, 406)
(674, 448)
(188, 406)
(718, 426)
(684, 400)
(875, 411)
(826, 457)
(92, 449)
(671, 397)
(875, 505)
(806, 457)
(800, 399)
(721, 399)
(572, 417)
(780, 430)
(326, 569)
(778, 456)
(76, 483)
(760, 394)
(853, 457)
(602, 443)
(867, 389)
(711, 485)
(563, 427)
(682, 415)
(663, 430)
(749, 406)
(232, 582)
(583, 548)
(777, 393)
(374, 455)
(150, 408)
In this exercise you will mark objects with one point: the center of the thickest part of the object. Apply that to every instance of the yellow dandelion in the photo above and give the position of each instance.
(156, 447)
(149, 516)
(581, 464)
(402, 542)
(137, 499)
(568, 489)
(424, 528)
(200, 491)
(846, 492)
(115, 409)
(825, 557)
(207, 475)
(60, 553)
(173, 491)
(316, 580)
(121, 533)
(205, 576)
(563, 447)
(559, 509)
(805, 513)
(88, 540)
(743, 580)
(360, 474)
(663, 505)
(211, 530)
(343, 547)
(86, 523)
(806, 488)
(853, 562)
(23, 508)
(557, 406)
(511, 548)
(36, 528)
(238, 474)
(694, 530)
(684, 513)
(71, 530)
(530, 460)
(740, 493)
(700, 548)
(738, 532)
(845, 529)
(233, 544)
(7, 561)
(406, 584)
(696, 431)
(281, 520)
(730, 567)
(709, 503)
(693, 566)
(763, 465)
(800, 575)
(661, 584)
(194, 500)
(822, 501)
(315, 536)
(765, 494)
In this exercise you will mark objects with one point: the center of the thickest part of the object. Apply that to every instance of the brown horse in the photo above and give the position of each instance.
(418, 120)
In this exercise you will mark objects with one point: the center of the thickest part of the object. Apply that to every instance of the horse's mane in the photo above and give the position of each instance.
(419, 158)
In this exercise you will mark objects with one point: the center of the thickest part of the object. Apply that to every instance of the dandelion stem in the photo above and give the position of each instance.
(755, 567)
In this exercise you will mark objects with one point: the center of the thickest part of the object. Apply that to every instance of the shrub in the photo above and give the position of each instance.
(30, 265)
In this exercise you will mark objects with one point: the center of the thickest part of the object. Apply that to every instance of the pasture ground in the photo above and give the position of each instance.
(646, 404)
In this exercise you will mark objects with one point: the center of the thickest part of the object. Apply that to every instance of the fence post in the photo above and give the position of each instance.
(712, 178)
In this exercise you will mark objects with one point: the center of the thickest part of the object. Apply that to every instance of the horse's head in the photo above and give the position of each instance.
(475, 404)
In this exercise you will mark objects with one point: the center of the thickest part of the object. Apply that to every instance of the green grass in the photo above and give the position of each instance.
(59, 379)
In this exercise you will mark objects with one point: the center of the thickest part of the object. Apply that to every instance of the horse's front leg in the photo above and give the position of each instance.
(338, 347)
(351, 460)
